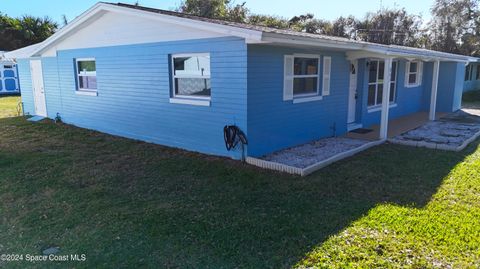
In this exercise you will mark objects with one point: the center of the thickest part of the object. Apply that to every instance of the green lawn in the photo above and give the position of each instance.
(125, 203)
(8, 106)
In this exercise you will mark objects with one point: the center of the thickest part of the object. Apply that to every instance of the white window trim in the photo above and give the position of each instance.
(418, 74)
(307, 96)
(307, 99)
(89, 93)
(377, 108)
(188, 99)
(81, 73)
(373, 108)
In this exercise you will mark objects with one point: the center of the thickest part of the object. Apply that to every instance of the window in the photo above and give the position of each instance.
(376, 81)
(468, 72)
(191, 76)
(413, 73)
(305, 76)
(301, 77)
(478, 73)
(86, 74)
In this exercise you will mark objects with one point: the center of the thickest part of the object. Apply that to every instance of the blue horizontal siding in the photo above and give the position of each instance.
(450, 86)
(275, 124)
(134, 89)
(417, 99)
(25, 79)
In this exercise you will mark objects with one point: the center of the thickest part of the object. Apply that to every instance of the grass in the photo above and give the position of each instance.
(125, 204)
(8, 106)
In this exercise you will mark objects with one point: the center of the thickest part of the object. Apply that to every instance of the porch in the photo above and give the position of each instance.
(449, 131)
(396, 126)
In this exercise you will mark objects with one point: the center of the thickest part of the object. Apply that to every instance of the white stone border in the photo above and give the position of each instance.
(314, 167)
(424, 144)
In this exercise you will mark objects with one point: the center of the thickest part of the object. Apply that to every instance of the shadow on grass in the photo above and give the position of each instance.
(131, 204)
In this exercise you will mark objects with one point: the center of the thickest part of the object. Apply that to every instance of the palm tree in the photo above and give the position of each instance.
(20, 32)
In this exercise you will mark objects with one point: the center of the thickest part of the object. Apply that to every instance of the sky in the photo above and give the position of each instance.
(322, 9)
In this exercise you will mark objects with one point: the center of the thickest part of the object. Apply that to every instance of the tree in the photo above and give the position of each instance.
(33, 29)
(454, 26)
(390, 26)
(345, 27)
(27, 30)
(215, 9)
(8, 31)
(268, 21)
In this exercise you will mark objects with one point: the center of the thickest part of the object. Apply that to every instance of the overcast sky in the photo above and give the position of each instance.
(286, 8)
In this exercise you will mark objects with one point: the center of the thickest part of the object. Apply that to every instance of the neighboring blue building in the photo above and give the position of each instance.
(472, 77)
(177, 80)
(8, 78)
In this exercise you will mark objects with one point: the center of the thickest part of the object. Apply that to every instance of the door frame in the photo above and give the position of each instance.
(37, 73)
(352, 93)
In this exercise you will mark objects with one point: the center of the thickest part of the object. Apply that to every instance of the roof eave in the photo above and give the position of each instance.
(379, 49)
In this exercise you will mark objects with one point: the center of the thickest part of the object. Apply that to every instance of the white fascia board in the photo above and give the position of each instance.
(356, 50)
(201, 25)
(419, 55)
(373, 51)
(78, 21)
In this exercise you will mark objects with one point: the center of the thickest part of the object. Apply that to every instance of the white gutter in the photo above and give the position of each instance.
(386, 50)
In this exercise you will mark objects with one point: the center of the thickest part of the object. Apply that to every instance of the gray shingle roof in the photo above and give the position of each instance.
(293, 34)
(237, 24)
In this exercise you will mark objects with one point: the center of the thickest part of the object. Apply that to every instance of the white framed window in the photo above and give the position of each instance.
(376, 81)
(413, 73)
(306, 75)
(302, 77)
(191, 79)
(86, 74)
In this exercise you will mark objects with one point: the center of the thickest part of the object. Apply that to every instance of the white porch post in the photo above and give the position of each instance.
(433, 97)
(385, 99)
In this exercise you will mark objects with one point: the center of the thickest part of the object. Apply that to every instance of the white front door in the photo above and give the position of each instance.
(352, 96)
(37, 87)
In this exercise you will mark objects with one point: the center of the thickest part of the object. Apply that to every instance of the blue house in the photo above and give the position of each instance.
(472, 77)
(177, 80)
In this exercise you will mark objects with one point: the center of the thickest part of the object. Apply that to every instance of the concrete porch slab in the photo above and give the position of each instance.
(452, 132)
(398, 126)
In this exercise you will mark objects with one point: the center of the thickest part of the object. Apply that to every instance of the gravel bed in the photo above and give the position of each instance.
(452, 130)
(311, 153)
